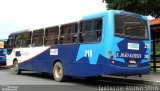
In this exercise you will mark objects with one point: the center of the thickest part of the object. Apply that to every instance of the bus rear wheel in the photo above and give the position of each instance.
(58, 72)
(16, 69)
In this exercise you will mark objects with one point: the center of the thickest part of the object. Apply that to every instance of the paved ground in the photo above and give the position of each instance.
(152, 77)
(32, 81)
(26, 78)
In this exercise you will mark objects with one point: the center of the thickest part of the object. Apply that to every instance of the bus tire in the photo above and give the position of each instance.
(58, 72)
(16, 69)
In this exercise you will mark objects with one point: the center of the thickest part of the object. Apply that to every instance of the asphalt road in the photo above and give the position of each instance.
(33, 81)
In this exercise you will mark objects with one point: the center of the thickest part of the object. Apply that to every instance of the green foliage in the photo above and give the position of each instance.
(145, 7)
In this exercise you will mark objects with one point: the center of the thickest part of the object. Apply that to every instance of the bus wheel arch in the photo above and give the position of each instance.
(57, 60)
(15, 59)
(16, 69)
(58, 71)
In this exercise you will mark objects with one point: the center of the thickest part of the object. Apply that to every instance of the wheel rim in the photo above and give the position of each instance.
(58, 71)
(16, 66)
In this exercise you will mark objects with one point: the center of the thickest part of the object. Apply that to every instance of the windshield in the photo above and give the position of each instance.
(130, 27)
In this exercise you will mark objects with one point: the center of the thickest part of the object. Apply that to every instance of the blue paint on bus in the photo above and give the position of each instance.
(3, 53)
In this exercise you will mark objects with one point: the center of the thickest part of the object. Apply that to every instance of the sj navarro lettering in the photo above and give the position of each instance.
(128, 55)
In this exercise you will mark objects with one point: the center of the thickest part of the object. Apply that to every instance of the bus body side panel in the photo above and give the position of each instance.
(67, 54)
(43, 61)
(91, 58)
(3, 53)
(36, 59)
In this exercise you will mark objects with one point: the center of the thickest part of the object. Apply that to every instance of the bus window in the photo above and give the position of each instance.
(10, 44)
(98, 29)
(11, 41)
(51, 35)
(130, 27)
(18, 40)
(88, 25)
(68, 33)
(26, 39)
(37, 37)
(91, 31)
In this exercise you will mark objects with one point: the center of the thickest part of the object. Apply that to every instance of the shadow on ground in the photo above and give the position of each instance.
(93, 81)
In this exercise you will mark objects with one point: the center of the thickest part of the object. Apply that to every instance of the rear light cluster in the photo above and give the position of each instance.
(111, 57)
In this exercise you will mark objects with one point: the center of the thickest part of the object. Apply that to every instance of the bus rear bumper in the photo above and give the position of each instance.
(117, 70)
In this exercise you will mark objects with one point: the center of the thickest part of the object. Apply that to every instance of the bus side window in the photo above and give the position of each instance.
(37, 37)
(18, 40)
(10, 44)
(91, 31)
(69, 33)
(11, 41)
(51, 35)
(26, 39)
(88, 25)
(98, 28)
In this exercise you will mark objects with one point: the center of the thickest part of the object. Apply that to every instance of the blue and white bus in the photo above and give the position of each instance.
(3, 52)
(107, 43)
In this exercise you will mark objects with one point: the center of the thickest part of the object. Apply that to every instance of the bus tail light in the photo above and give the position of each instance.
(110, 53)
(112, 59)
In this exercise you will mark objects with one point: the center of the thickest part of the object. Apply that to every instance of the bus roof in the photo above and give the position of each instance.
(20, 31)
(82, 18)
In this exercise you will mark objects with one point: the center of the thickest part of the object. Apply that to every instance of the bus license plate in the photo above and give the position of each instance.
(132, 61)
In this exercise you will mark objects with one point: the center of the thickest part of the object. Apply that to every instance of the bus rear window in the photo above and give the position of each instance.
(130, 27)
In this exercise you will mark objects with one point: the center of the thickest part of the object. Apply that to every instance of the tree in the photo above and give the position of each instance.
(145, 7)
